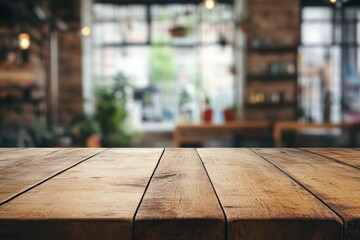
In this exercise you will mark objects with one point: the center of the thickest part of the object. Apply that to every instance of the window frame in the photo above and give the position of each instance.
(338, 20)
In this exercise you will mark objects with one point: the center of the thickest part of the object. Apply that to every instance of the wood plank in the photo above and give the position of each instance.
(3, 151)
(13, 156)
(96, 199)
(7, 149)
(345, 155)
(18, 178)
(336, 184)
(261, 202)
(180, 202)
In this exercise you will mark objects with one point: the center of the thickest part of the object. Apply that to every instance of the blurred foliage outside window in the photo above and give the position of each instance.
(174, 55)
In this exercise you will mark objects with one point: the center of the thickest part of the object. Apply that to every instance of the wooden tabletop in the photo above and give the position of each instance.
(124, 193)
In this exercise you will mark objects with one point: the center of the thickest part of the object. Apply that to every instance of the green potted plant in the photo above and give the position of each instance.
(230, 114)
(111, 114)
(82, 128)
(245, 23)
(108, 127)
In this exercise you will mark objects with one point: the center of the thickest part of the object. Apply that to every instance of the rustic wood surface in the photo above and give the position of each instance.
(345, 155)
(96, 199)
(18, 178)
(13, 156)
(180, 194)
(180, 202)
(256, 195)
(5, 149)
(336, 184)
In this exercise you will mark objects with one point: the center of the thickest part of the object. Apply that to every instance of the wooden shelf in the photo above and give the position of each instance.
(272, 77)
(274, 50)
(271, 105)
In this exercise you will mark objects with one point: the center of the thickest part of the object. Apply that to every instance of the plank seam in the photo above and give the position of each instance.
(31, 158)
(48, 178)
(330, 158)
(142, 197)
(304, 187)
(217, 196)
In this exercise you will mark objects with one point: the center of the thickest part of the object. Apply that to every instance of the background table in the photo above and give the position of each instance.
(200, 133)
(179, 193)
(280, 127)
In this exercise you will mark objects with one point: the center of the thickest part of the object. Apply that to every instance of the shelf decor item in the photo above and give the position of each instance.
(179, 31)
(230, 114)
(208, 112)
(232, 69)
(208, 115)
(272, 60)
(245, 22)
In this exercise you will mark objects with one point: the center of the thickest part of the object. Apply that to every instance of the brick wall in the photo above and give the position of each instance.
(274, 24)
(70, 76)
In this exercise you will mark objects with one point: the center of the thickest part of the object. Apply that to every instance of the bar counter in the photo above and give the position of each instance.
(179, 193)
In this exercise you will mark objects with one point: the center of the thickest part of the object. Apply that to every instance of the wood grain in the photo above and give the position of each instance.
(13, 156)
(261, 202)
(337, 184)
(20, 177)
(5, 149)
(345, 155)
(180, 202)
(96, 199)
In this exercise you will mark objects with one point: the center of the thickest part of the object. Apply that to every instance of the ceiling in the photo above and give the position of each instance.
(15, 12)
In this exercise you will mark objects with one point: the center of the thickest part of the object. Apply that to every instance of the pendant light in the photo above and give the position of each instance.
(24, 41)
(209, 4)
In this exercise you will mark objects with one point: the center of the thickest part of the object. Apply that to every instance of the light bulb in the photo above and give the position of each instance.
(85, 31)
(24, 41)
(209, 4)
(333, 1)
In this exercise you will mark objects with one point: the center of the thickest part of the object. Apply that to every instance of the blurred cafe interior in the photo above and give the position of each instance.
(179, 73)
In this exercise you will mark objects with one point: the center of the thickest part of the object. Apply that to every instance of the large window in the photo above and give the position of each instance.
(175, 57)
(329, 81)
